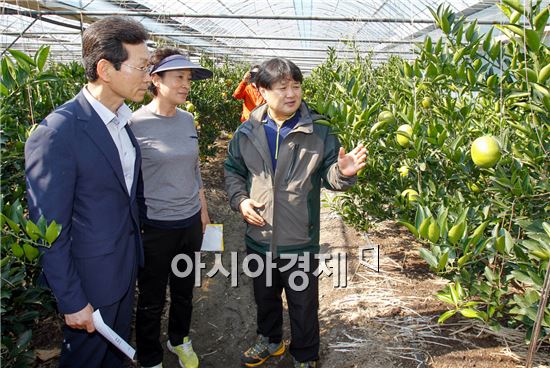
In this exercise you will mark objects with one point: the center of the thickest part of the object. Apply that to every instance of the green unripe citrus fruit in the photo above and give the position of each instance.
(190, 107)
(485, 151)
(386, 117)
(404, 132)
(426, 102)
(410, 195)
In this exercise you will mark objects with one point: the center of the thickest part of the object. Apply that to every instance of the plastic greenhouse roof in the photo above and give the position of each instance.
(245, 31)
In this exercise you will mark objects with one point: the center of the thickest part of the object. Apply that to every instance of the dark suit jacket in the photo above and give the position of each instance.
(74, 176)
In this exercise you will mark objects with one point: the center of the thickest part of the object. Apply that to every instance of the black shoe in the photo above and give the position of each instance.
(261, 351)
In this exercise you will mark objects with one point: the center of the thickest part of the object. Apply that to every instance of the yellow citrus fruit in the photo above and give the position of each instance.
(403, 171)
(426, 102)
(474, 187)
(386, 117)
(190, 107)
(410, 194)
(485, 151)
(404, 132)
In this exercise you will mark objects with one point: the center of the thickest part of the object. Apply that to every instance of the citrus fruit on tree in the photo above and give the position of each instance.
(403, 171)
(474, 187)
(426, 102)
(386, 117)
(404, 132)
(410, 194)
(485, 151)
(190, 107)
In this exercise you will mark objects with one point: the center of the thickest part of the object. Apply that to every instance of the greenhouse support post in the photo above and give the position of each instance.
(540, 315)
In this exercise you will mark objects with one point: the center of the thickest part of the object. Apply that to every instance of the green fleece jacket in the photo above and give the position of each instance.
(307, 158)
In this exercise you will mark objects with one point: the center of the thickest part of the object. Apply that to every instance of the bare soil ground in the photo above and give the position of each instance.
(380, 319)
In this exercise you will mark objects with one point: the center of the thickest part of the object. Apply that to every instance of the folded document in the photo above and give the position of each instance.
(213, 238)
(112, 336)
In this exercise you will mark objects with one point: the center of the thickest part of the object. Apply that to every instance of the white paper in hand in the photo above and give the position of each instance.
(112, 336)
(213, 238)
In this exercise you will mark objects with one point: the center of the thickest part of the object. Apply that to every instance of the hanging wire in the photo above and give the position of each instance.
(414, 58)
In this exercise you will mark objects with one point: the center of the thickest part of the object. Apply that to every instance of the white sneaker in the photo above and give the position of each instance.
(185, 353)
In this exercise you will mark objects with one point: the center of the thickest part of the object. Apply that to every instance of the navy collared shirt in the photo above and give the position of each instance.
(275, 134)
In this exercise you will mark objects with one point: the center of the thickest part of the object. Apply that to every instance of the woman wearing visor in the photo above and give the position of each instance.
(173, 211)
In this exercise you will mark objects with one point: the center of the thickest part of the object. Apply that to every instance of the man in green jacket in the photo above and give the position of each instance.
(276, 163)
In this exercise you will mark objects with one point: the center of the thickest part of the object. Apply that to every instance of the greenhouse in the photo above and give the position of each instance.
(384, 162)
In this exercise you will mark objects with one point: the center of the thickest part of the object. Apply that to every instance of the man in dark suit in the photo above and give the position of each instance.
(82, 167)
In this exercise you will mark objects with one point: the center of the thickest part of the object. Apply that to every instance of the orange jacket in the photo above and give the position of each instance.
(251, 97)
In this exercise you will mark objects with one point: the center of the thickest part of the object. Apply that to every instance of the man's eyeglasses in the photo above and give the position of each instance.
(143, 69)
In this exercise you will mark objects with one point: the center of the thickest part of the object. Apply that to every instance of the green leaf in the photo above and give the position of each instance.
(508, 242)
(52, 232)
(472, 313)
(409, 226)
(41, 56)
(22, 58)
(521, 277)
(32, 230)
(428, 257)
(488, 39)
(340, 88)
(454, 294)
(12, 224)
(30, 252)
(505, 9)
(17, 250)
(445, 316)
(478, 232)
(489, 275)
(443, 261)
(516, 5)
(445, 25)
(470, 30)
(533, 39)
(541, 20)
(514, 17)
(444, 297)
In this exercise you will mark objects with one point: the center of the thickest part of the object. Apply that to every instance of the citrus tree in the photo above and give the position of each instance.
(458, 145)
(29, 90)
(212, 103)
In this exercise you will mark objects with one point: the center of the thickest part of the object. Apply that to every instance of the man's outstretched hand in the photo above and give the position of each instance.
(350, 163)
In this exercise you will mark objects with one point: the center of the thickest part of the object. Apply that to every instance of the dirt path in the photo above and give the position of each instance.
(381, 319)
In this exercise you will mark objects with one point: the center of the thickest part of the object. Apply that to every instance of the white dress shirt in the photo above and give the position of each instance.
(126, 150)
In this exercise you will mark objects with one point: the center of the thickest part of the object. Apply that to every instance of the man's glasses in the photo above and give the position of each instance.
(143, 69)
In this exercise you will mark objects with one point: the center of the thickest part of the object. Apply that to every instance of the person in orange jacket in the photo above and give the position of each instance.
(248, 92)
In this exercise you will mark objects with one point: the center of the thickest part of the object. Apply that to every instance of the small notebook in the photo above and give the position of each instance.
(212, 240)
